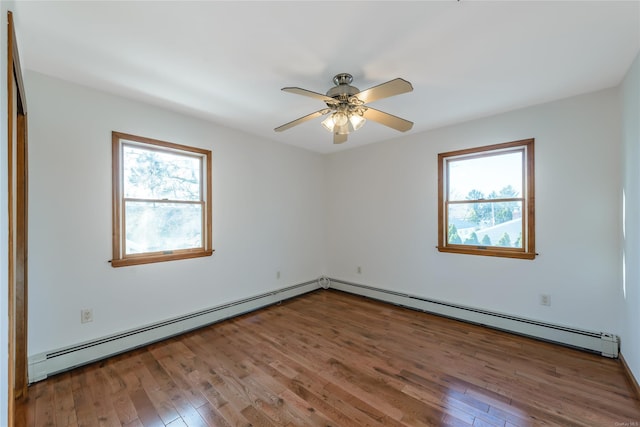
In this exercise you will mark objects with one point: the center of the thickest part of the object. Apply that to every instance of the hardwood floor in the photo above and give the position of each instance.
(332, 359)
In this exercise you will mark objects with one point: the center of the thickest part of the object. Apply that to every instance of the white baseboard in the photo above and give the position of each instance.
(45, 364)
(605, 344)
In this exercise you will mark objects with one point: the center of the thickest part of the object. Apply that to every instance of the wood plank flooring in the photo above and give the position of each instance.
(333, 359)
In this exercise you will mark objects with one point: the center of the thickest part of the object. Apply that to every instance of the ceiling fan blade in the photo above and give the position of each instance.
(384, 90)
(309, 93)
(302, 119)
(339, 138)
(387, 119)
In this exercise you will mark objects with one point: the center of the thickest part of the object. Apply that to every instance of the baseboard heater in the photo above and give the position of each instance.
(601, 343)
(45, 364)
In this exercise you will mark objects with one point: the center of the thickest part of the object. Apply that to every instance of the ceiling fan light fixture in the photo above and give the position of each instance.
(340, 118)
(357, 121)
(328, 123)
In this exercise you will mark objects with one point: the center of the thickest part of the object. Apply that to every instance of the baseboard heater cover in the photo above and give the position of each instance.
(49, 363)
(605, 344)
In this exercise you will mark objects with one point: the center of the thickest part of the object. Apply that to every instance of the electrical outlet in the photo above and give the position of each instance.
(545, 299)
(277, 274)
(359, 270)
(86, 315)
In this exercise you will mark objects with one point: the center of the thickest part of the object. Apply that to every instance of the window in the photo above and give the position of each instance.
(486, 200)
(161, 201)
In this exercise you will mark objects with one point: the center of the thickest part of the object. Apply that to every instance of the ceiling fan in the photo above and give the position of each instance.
(346, 104)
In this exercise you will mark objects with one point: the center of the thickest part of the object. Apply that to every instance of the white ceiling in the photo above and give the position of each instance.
(226, 61)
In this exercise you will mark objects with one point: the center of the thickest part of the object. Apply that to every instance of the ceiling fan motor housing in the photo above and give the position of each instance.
(342, 90)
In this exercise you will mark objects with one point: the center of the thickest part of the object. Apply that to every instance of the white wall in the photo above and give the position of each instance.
(630, 95)
(382, 216)
(4, 220)
(267, 216)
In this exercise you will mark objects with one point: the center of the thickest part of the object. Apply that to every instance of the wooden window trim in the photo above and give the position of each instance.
(119, 258)
(528, 250)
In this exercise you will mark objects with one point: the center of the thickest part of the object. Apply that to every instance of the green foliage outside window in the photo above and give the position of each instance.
(491, 213)
(454, 237)
(472, 239)
(505, 240)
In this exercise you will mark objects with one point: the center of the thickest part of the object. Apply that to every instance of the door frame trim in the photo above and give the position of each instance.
(17, 223)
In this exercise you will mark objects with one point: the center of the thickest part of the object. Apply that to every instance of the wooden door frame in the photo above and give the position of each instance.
(17, 206)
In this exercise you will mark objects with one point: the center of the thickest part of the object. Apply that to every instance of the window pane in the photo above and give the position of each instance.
(485, 224)
(155, 227)
(487, 177)
(150, 174)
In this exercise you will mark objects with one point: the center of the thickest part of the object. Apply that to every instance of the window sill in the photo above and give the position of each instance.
(148, 259)
(489, 252)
